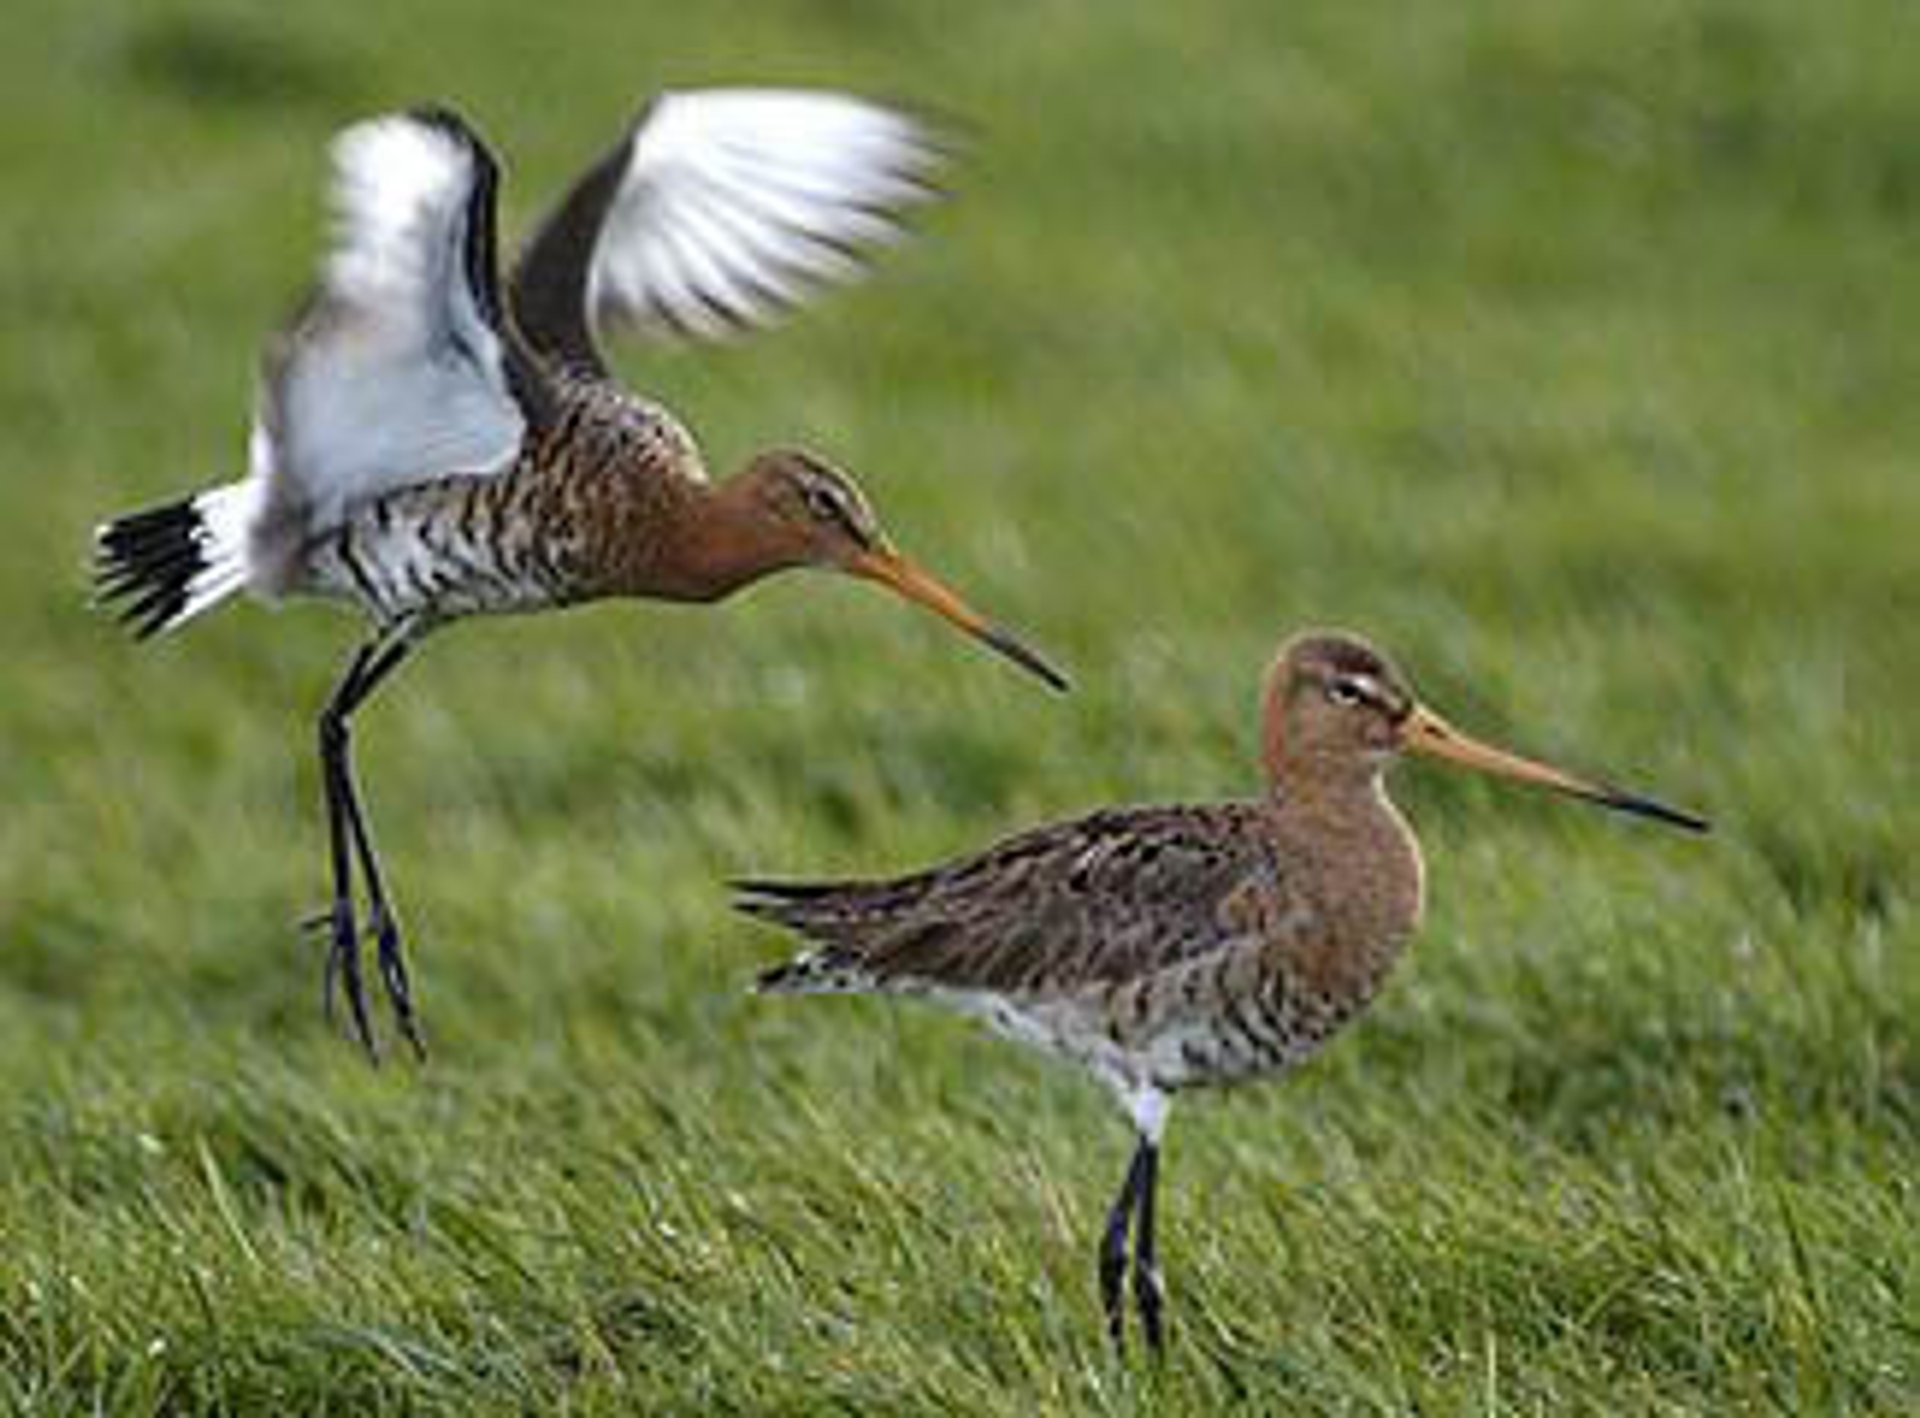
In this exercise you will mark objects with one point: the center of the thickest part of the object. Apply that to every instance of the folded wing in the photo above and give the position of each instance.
(1103, 899)
(717, 212)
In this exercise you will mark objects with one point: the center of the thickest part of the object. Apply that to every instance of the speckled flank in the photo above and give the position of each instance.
(586, 512)
(1171, 946)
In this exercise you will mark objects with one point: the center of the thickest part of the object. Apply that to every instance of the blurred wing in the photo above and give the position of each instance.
(396, 372)
(1103, 899)
(717, 212)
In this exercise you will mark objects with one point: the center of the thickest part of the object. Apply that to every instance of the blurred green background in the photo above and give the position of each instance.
(1566, 349)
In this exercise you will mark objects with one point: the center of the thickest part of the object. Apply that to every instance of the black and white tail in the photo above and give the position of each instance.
(160, 568)
(807, 908)
(830, 970)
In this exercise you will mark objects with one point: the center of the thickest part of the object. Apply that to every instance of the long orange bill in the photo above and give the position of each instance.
(1426, 732)
(904, 579)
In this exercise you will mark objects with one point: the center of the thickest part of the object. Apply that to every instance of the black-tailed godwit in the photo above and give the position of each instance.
(427, 446)
(1167, 948)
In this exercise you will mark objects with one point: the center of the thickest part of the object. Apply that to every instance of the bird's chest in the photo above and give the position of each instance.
(1315, 954)
(1361, 881)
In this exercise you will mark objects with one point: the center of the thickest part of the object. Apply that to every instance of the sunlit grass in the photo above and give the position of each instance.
(1565, 349)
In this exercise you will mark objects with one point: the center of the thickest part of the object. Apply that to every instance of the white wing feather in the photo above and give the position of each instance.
(394, 375)
(738, 204)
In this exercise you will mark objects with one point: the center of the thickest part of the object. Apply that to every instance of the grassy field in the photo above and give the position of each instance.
(1567, 349)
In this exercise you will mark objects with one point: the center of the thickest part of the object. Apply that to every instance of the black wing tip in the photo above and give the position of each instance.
(786, 904)
(943, 134)
(780, 889)
(782, 902)
(807, 908)
(444, 118)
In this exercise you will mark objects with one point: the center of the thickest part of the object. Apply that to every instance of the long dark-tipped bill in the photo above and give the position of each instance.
(904, 579)
(1426, 732)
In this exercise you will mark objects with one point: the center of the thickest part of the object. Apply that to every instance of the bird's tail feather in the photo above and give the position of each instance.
(161, 567)
(796, 905)
(808, 908)
(829, 970)
(775, 891)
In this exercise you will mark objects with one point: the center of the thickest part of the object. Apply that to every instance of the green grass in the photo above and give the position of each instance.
(1568, 349)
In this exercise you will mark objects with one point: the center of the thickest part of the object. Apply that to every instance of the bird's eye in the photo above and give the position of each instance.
(825, 505)
(1344, 692)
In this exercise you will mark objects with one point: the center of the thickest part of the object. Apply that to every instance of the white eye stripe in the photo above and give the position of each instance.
(829, 504)
(1351, 690)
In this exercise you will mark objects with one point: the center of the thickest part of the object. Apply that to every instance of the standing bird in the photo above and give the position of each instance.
(427, 446)
(1167, 948)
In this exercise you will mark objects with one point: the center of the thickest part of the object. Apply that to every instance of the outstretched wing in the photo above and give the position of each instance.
(398, 369)
(718, 211)
(1103, 899)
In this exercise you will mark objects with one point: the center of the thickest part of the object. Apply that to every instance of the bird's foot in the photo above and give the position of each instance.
(1113, 1271)
(342, 972)
(1150, 1296)
(385, 931)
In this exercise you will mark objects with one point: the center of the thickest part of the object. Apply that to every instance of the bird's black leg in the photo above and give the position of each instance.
(1113, 1242)
(381, 923)
(343, 949)
(348, 840)
(1148, 1294)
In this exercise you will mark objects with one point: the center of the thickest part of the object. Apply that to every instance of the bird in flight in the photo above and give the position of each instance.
(429, 443)
(1169, 948)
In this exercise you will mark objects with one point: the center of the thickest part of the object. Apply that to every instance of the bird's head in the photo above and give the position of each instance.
(1337, 708)
(818, 513)
(815, 515)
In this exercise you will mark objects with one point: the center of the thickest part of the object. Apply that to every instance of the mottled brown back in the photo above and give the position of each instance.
(1107, 898)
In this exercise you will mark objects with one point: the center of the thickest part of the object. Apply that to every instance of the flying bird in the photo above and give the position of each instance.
(429, 444)
(1169, 948)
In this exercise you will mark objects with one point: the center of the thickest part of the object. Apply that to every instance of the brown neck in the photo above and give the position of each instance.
(1338, 783)
(1296, 773)
(1366, 879)
(715, 541)
(1331, 811)
(1273, 728)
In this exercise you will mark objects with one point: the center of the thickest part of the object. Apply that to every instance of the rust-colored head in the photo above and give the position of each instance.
(1338, 711)
(1334, 709)
(804, 512)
